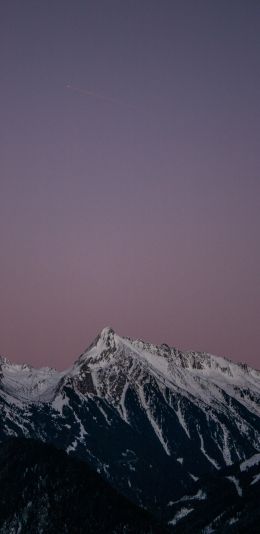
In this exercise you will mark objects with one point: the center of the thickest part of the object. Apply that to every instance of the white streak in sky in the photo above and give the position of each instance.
(97, 96)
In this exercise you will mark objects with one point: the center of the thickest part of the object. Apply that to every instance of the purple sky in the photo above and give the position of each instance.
(138, 206)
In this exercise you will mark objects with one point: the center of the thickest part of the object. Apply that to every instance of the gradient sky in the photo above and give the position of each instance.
(137, 206)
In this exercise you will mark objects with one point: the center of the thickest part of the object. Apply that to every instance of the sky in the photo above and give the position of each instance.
(129, 175)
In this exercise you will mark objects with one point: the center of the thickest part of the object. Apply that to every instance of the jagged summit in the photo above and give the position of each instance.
(104, 343)
(109, 346)
(112, 364)
(106, 332)
(108, 342)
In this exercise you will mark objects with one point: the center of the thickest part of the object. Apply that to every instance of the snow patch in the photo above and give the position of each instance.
(237, 485)
(122, 403)
(250, 462)
(154, 424)
(202, 448)
(182, 420)
(200, 496)
(59, 402)
(182, 513)
(194, 477)
(255, 480)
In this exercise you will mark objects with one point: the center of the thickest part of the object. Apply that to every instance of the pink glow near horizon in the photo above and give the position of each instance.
(140, 209)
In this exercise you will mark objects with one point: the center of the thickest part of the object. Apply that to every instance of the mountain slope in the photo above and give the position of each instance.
(151, 419)
(225, 502)
(43, 490)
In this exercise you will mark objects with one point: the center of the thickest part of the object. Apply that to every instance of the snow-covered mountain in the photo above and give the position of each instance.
(151, 419)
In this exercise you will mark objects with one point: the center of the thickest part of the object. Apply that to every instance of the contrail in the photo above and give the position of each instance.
(97, 96)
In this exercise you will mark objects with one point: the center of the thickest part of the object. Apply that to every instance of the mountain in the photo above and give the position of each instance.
(43, 490)
(151, 419)
(224, 502)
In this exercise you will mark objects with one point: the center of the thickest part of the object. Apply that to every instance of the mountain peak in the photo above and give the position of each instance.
(106, 332)
(104, 344)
